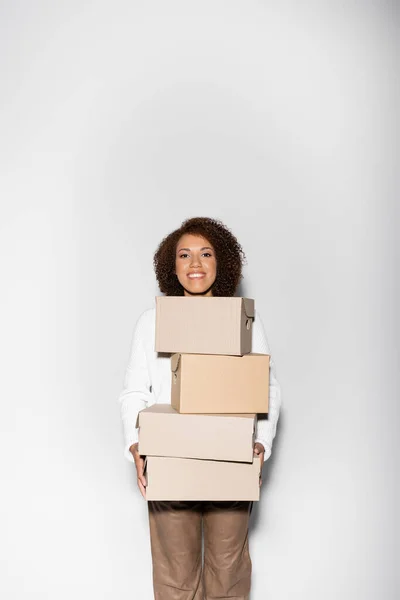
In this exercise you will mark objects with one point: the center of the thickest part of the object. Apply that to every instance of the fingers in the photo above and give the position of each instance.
(142, 479)
(139, 464)
(261, 456)
(140, 472)
(261, 475)
(142, 488)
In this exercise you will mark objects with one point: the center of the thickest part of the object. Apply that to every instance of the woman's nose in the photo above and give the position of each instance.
(195, 262)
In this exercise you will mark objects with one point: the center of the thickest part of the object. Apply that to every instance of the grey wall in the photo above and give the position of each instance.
(119, 120)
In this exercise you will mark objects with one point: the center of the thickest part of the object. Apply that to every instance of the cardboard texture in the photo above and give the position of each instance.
(204, 383)
(165, 432)
(192, 479)
(205, 325)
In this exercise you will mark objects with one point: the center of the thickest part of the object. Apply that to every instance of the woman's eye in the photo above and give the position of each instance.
(185, 255)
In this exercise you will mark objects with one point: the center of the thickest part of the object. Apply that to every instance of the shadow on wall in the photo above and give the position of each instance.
(241, 290)
(270, 465)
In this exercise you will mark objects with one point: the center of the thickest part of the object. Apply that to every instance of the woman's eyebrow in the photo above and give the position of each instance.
(188, 249)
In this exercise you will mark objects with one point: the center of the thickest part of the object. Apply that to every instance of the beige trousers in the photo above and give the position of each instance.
(176, 530)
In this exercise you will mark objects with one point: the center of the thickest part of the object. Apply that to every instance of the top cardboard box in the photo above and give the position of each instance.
(205, 325)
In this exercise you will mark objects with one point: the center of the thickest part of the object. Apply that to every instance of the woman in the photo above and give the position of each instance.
(201, 258)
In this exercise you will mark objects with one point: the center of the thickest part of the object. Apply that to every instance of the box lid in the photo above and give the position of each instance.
(167, 409)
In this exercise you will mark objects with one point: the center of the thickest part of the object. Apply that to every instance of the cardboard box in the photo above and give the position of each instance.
(205, 325)
(165, 432)
(192, 479)
(220, 384)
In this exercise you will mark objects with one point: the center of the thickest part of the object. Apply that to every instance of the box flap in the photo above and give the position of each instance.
(248, 304)
(175, 361)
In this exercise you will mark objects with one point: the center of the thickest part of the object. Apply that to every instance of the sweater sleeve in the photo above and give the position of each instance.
(266, 425)
(136, 391)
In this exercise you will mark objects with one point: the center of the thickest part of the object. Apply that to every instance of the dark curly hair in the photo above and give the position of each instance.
(229, 255)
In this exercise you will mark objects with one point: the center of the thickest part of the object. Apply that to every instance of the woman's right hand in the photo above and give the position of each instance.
(139, 462)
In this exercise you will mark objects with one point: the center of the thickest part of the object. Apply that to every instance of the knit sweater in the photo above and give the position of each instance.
(148, 381)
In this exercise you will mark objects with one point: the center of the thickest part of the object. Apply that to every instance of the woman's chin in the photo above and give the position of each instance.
(197, 290)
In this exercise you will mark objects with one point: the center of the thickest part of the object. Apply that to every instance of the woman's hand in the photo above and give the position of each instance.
(139, 462)
(259, 450)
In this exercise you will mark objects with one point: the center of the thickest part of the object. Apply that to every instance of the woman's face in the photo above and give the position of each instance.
(195, 265)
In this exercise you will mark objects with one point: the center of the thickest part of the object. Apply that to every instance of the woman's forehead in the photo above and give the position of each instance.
(193, 241)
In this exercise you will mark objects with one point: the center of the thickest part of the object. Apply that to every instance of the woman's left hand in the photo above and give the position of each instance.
(259, 450)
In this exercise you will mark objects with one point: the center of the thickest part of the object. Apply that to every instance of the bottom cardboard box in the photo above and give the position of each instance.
(193, 479)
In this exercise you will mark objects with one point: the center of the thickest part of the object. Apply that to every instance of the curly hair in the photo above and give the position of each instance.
(229, 255)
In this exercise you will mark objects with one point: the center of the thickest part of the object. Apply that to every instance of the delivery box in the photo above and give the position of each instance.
(202, 383)
(165, 432)
(192, 479)
(206, 325)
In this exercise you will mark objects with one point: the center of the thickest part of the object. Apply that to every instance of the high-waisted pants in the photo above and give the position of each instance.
(176, 530)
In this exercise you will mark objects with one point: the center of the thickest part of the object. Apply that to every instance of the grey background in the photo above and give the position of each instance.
(119, 120)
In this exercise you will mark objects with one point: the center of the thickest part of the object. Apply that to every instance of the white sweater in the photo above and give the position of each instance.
(148, 381)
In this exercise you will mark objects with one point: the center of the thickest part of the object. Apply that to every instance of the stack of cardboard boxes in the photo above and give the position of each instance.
(201, 446)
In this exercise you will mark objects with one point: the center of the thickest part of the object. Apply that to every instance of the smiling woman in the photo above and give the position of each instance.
(200, 258)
